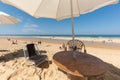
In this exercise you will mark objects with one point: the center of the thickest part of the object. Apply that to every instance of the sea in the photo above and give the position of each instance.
(38, 37)
(92, 36)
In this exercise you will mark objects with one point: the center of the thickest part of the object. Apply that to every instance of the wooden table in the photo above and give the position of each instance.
(83, 64)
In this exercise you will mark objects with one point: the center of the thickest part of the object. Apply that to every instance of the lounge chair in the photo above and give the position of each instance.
(78, 45)
(35, 56)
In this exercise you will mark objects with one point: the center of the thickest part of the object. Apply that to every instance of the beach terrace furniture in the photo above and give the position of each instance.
(78, 45)
(35, 56)
(82, 65)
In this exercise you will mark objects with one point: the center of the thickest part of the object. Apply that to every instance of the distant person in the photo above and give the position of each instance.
(14, 41)
(39, 42)
(60, 47)
(64, 47)
(8, 39)
(103, 41)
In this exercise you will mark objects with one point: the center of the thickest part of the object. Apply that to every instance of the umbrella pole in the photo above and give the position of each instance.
(72, 22)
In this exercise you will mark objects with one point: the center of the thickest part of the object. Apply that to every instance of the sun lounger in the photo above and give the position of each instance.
(35, 56)
(78, 45)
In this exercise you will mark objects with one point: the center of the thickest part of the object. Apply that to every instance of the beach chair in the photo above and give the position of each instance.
(78, 45)
(35, 56)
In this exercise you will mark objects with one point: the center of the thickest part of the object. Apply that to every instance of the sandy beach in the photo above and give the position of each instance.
(13, 65)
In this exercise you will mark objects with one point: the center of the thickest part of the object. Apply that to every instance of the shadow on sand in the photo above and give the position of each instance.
(19, 53)
(4, 50)
(11, 56)
(113, 73)
(45, 64)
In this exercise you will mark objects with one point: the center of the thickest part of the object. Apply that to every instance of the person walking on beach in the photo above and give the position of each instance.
(64, 47)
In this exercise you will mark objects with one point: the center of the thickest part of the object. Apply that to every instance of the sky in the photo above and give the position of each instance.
(105, 20)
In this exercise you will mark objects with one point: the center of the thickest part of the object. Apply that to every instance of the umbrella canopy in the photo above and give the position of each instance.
(7, 19)
(82, 65)
(58, 9)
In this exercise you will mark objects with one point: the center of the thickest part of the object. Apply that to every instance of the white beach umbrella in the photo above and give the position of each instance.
(59, 9)
(7, 19)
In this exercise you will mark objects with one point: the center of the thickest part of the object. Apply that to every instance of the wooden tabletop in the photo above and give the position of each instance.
(82, 64)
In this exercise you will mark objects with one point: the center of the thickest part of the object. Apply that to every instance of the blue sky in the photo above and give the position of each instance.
(102, 21)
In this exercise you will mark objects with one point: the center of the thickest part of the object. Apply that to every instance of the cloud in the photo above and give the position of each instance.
(31, 28)
(30, 25)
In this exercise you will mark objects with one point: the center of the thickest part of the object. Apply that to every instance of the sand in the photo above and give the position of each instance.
(13, 65)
